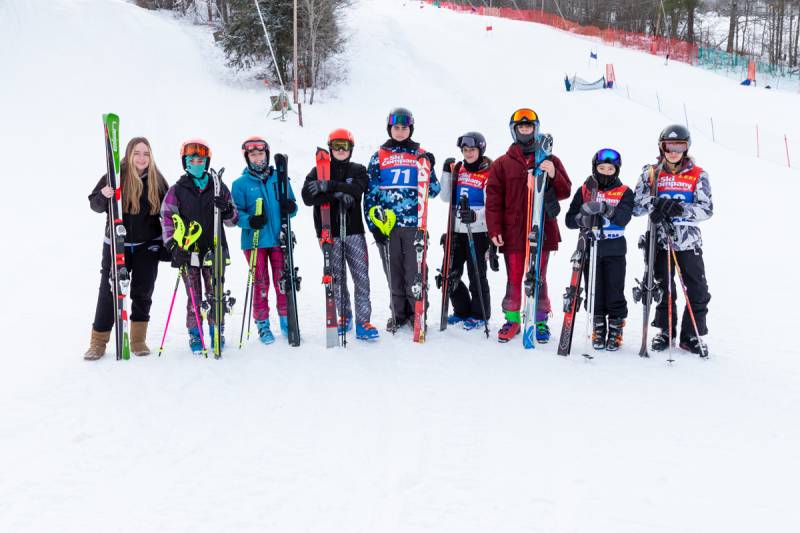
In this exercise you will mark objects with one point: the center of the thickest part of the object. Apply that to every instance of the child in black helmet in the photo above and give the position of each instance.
(603, 195)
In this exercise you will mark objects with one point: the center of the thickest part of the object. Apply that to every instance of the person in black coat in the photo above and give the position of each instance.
(605, 201)
(344, 192)
(142, 190)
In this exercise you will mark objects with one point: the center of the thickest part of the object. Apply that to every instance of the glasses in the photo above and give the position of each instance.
(608, 155)
(196, 150)
(524, 115)
(250, 146)
(675, 147)
(401, 120)
(340, 145)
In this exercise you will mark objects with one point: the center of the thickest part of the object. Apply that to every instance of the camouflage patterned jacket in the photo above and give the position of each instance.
(393, 182)
(690, 185)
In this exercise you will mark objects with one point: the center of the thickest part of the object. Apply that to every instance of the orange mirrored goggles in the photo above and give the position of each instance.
(522, 115)
(341, 144)
(196, 149)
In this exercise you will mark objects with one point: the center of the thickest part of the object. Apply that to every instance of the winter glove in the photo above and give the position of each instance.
(380, 238)
(224, 206)
(180, 256)
(657, 217)
(669, 208)
(324, 186)
(288, 206)
(551, 206)
(448, 163)
(443, 240)
(467, 215)
(258, 221)
(345, 200)
(584, 221)
(431, 159)
(313, 187)
(494, 260)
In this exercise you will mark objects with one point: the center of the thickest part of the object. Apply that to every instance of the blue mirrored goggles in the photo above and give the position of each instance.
(402, 120)
(608, 155)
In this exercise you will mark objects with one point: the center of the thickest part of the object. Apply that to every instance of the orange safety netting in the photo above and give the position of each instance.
(677, 49)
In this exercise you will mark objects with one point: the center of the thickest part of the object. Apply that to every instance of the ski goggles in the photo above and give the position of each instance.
(468, 142)
(608, 155)
(341, 145)
(196, 150)
(524, 115)
(250, 146)
(400, 120)
(675, 147)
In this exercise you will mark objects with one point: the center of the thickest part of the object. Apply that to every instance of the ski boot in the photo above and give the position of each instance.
(473, 323)
(599, 332)
(345, 325)
(264, 333)
(660, 341)
(394, 325)
(695, 345)
(366, 332)
(221, 337)
(455, 319)
(195, 342)
(508, 331)
(615, 326)
(542, 332)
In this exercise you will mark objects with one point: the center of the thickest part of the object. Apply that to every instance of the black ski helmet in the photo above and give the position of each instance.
(606, 155)
(402, 116)
(674, 132)
(473, 139)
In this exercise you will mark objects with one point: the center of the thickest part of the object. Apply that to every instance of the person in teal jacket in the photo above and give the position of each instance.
(259, 180)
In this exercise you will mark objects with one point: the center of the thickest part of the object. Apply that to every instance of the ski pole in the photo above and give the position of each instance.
(591, 287)
(250, 275)
(464, 204)
(384, 220)
(343, 280)
(669, 300)
(169, 313)
(703, 351)
(187, 280)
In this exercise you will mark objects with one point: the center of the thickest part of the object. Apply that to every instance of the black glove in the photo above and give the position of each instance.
(180, 257)
(584, 221)
(669, 208)
(431, 159)
(313, 187)
(467, 215)
(380, 238)
(657, 217)
(345, 200)
(224, 206)
(324, 186)
(449, 162)
(551, 206)
(288, 206)
(494, 260)
(258, 221)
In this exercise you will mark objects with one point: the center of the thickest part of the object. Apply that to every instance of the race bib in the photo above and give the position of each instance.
(398, 170)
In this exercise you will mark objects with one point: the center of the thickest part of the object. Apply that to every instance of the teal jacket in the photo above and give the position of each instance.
(245, 191)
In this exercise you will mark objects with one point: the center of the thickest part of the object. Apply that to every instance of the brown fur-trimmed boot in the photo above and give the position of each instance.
(97, 345)
(138, 338)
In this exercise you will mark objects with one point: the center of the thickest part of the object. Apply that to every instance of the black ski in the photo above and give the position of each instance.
(290, 281)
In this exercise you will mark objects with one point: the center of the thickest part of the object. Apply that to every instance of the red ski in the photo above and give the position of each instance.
(420, 287)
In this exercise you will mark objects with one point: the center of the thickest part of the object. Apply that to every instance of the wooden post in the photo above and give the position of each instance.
(300, 113)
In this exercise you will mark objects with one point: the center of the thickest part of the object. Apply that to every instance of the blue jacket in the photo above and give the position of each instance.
(245, 191)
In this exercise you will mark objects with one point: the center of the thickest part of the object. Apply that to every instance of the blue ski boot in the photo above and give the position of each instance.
(366, 332)
(455, 319)
(284, 323)
(473, 323)
(195, 343)
(264, 332)
(542, 332)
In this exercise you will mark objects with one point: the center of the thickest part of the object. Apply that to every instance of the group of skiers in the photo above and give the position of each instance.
(489, 205)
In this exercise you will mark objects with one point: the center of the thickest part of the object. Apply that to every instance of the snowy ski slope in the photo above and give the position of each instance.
(460, 434)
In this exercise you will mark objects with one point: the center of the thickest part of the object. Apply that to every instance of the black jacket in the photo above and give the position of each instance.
(621, 216)
(141, 227)
(346, 177)
(196, 205)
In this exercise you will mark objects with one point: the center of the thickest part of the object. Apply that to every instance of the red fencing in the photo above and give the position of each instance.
(677, 49)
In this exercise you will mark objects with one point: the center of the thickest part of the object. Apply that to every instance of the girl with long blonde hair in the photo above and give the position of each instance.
(143, 189)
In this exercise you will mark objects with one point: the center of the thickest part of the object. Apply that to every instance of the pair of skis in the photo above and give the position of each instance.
(290, 280)
(537, 182)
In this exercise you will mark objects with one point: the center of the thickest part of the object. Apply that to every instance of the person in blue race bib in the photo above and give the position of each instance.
(604, 195)
(393, 185)
(682, 199)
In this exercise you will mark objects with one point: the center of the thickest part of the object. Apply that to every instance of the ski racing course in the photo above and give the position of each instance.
(458, 434)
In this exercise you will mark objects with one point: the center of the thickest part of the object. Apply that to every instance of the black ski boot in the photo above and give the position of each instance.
(615, 326)
(599, 332)
(660, 341)
(695, 345)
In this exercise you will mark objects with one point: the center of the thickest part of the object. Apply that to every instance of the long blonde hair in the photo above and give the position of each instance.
(132, 184)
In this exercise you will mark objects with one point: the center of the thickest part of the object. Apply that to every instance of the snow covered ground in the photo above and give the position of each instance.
(460, 434)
